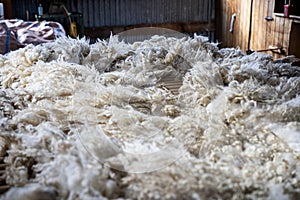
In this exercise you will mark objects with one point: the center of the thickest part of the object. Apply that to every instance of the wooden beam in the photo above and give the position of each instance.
(104, 32)
(7, 9)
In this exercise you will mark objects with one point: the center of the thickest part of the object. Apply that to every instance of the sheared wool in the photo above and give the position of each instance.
(91, 121)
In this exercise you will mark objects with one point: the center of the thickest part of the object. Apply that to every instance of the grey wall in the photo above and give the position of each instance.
(98, 13)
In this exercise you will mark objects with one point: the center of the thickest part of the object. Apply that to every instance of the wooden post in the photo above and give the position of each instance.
(7, 9)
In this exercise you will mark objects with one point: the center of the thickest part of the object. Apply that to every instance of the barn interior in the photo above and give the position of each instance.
(156, 99)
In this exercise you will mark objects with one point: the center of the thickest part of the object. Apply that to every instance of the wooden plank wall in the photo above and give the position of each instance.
(239, 36)
(265, 34)
(281, 34)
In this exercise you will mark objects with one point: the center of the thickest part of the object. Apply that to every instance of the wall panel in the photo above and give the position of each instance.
(264, 34)
(99, 13)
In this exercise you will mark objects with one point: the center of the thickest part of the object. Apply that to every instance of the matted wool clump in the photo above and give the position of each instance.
(98, 121)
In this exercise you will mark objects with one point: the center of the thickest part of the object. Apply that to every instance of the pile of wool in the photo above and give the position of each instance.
(91, 121)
